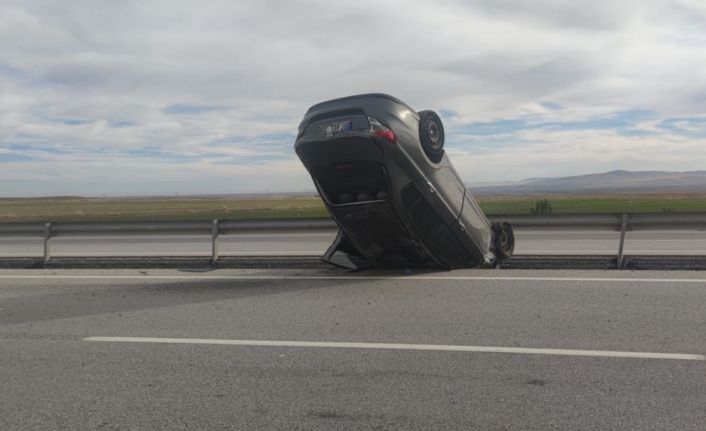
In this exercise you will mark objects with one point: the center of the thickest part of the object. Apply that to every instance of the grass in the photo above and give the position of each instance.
(647, 203)
(154, 209)
(206, 208)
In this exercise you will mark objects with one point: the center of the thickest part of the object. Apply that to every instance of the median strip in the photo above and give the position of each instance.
(398, 346)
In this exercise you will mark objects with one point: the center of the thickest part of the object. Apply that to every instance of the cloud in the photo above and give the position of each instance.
(579, 151)
(152, 88)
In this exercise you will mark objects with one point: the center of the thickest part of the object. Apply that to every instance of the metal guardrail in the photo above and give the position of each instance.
(613, 222)
(215, 228)
(646, 221)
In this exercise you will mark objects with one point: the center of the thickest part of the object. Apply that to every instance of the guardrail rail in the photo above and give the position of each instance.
(612, 222)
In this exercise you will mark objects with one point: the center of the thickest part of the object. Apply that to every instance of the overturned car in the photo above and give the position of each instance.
(381, 170)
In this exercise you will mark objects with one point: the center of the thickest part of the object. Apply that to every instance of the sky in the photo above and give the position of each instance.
(185, 97)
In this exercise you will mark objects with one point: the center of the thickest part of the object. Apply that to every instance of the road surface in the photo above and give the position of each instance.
(472, 349)
(528, 242)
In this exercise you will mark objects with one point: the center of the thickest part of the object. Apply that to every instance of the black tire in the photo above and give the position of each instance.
(431, 135)
(503, 240)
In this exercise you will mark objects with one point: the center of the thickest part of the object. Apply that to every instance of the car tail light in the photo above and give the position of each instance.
(378, 129)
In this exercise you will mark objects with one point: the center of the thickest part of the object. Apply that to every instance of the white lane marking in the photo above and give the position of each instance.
(274, 253)
(331, 233)
(607, 251)
(610, 234)
(157, 236)
(398, 346)
(518, 252)
(350, 277)
(172, 253)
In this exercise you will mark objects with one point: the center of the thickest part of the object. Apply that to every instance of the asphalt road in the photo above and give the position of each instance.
(227, 350)
(575, 242)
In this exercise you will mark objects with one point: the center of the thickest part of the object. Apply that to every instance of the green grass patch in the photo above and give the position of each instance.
(207, 208)
(156, 209)
(597, 204)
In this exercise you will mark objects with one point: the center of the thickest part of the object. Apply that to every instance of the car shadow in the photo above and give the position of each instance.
(119, 296)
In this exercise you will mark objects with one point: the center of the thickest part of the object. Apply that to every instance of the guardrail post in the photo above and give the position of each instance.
(47, 237)
(623, 229)
(214, 241)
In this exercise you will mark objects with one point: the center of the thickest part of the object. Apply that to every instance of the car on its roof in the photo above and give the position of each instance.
(382, 172)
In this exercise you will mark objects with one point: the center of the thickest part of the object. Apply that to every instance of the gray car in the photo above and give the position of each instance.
(382, 172)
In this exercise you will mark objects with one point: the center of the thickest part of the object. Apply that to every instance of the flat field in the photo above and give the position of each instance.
(206, 208)
(587, 204)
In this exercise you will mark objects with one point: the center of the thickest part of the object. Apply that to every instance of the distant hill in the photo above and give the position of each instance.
(609, 182)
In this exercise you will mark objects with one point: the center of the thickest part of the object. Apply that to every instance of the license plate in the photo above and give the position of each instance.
(332, 129)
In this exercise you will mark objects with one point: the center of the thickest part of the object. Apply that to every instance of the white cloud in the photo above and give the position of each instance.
(85, 89)
(576, 152)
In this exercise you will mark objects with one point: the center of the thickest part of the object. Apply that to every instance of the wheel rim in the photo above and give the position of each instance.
(434, 134)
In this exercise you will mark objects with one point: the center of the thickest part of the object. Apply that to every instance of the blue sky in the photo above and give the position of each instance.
(165, 97)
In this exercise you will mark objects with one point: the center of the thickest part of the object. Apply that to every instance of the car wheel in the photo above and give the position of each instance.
(504, 240)
(431, 135)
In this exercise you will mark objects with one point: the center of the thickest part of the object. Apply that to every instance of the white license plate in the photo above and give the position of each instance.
(333, 129)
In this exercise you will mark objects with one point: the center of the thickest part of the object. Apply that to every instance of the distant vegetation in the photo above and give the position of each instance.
(206, 208)
(152, 209)
(581, 204)
(541, 207)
